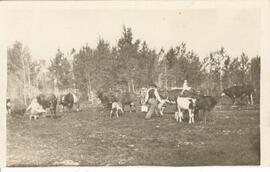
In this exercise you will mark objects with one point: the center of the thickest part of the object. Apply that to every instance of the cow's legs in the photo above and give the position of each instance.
(176, 116)
(117, 116)
(180, 116)
(251, 99)
(111, 113)
(78, 107)
(130, 107)
(196, 114)
(54, 108)
(123, 107)
(62, 108)
(70, 106)
(204, 114)
(122, 111)
(234, 101)
(191, 116)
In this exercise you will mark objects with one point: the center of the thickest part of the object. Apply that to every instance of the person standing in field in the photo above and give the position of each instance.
(152, 98)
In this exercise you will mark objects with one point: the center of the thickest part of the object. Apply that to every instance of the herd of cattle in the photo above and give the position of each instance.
(192, 102)
(49, 103)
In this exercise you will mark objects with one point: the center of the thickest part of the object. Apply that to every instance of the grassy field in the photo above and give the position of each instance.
(88, 138)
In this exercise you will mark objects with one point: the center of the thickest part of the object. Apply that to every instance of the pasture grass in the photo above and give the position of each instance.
(89, 138)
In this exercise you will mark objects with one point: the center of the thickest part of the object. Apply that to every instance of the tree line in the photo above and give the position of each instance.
(129, 66)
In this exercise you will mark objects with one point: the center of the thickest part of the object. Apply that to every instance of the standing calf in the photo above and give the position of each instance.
(116, 107)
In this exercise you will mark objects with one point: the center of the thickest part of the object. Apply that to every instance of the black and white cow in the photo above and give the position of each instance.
(185, 101)
(185, 104)
(188, 101)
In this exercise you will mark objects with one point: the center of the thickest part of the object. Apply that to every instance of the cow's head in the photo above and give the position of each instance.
(224, 92)
(163, 94)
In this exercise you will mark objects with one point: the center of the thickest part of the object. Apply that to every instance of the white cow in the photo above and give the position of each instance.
(116, 106)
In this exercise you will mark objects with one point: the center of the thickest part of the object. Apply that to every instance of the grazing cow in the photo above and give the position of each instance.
(204, 104)
(69, 100)
(8, 106)
(66, 101)
(128, 99)
(17, 108)
(238, 91)
(105, 98)
(48, 101)
(185, 104)
(125, 98)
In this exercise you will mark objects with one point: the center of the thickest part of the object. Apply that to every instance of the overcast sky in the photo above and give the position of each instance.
(204, 30)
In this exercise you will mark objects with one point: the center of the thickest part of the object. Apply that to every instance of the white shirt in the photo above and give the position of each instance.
(186, 87)
(35, 107)
(155, 93)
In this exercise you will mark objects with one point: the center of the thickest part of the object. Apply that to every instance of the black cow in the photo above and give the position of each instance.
(128, 99)
(48, 101)
(66, 101)
(239, 91)
(204, 104)
(105, 98)
(125, 98)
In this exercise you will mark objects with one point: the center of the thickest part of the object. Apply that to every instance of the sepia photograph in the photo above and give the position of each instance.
(132, 84)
